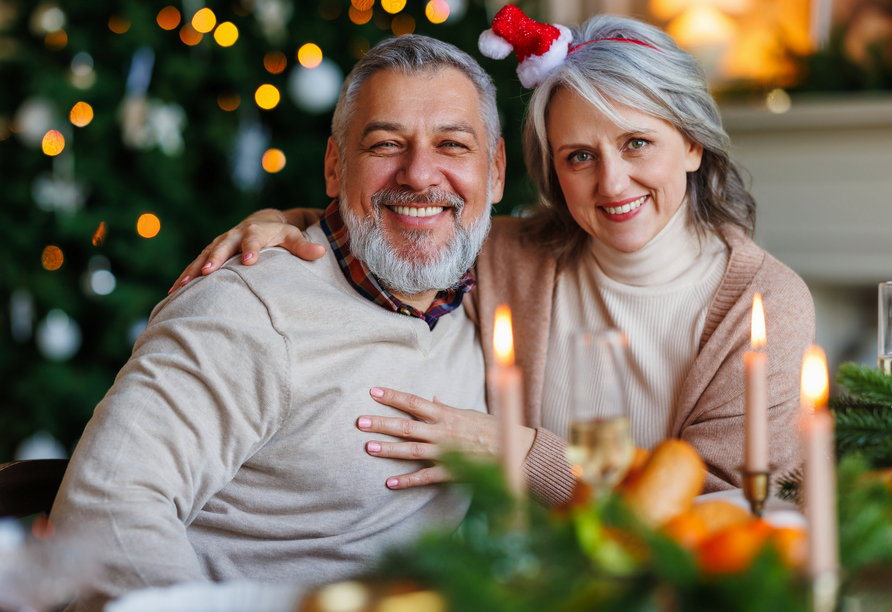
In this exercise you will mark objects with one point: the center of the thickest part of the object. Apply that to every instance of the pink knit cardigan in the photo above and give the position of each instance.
(710, 410)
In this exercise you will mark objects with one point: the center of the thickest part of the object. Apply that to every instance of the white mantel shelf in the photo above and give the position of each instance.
(822, 177)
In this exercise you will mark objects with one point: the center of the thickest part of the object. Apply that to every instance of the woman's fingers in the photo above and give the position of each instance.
(414, 405)
(427, 476)
(394, 426)
(191, 271)
(415, 451)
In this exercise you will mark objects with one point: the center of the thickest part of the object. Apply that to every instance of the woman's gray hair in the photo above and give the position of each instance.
(660, 80)
(411, 55)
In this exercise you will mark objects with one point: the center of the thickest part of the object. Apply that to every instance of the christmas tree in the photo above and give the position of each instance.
(132, 132)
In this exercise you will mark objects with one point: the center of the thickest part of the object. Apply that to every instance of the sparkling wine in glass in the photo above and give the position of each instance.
(600, 445)
(884, 328)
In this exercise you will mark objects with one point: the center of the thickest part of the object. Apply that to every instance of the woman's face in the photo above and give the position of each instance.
(621, 187)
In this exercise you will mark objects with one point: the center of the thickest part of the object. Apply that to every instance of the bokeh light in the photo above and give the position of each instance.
(82, 64)
(56, 41)
(204, 20)
(118, 25)
(148, 225)
(393, 6)
(358, 46)
(363, 5)
(267, 97)
(275, 62)
(168, 18)
(99, 235)
(437, 11)
(273, 161)
(402, 25)
(52, 19)
(53, 143)
(360, 17)
(103, 282)
(330, 9)
(58, 336)
(309, 55)
(189, 35)
(315, 90)
(52, 258)
(778, 101)
(229, 101)
(226, 34)
(81, 114)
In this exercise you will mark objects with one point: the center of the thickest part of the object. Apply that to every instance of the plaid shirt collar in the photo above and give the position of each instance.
(359, 277)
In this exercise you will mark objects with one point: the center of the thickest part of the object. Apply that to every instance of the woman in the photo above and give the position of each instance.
(643, 224)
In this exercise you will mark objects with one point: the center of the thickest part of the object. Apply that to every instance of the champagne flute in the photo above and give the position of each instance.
(600, 444)
(884, 329)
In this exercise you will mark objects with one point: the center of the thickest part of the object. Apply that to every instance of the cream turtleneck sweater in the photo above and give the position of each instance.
(659, 296)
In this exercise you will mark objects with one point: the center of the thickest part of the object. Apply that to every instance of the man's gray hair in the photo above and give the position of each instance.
(411, 55)
(660, 80)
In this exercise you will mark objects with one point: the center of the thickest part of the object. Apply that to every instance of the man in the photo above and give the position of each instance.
(227, 447)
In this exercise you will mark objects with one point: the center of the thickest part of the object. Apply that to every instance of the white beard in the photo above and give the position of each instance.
(419, 265)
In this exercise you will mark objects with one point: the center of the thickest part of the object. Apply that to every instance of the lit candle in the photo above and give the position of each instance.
(756, 455)
(509, 400)
(820, 473)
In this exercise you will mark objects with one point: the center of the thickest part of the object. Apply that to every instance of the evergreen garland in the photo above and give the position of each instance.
(864, 416)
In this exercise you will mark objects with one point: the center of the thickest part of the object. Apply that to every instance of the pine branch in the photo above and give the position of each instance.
(849, 402)
(866, 431)
(869, 384)
(790, 486)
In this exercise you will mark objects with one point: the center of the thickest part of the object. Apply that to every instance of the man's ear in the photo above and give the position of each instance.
(332, 169)
(498, 172)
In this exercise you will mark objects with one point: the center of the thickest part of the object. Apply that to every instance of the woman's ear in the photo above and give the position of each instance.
(693, 155)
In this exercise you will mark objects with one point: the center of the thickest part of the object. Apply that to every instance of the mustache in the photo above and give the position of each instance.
(434, 196)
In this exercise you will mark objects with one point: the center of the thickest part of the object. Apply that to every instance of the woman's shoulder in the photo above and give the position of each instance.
(769, 274)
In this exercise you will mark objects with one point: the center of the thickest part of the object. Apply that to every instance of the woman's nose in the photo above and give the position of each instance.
(613, 177)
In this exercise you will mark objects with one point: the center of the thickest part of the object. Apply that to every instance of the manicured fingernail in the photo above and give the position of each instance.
(206, 266)
(376, 392)
(184, 281)
(169, 291)
(364, 422)
(248, 256)
(392, 483)
(373, 447)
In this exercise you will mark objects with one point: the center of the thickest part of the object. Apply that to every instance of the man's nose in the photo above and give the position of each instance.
(613, 177)
(419, 170)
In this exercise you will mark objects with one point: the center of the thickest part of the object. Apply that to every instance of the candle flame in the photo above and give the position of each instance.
(503, 340)
(815, 381)
(758, 326)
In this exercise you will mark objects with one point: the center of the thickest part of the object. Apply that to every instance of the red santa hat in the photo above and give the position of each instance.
(540, 47)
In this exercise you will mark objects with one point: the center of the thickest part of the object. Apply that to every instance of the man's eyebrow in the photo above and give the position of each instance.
(383, 126)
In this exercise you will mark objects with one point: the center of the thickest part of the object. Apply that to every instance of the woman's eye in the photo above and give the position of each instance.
(580, 156)
(637, 143)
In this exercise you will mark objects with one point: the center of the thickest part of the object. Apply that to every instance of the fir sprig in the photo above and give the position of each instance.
(868, 384)
(868, 432)
(789, 486)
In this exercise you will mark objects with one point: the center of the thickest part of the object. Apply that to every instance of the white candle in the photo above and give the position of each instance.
(509, 401)
(756, 419)
(819, 492)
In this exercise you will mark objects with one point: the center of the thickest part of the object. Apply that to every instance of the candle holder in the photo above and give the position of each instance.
(824, 592)
(755, 489)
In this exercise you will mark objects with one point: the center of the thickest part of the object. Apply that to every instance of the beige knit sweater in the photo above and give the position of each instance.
(228, 448)
(710, 409)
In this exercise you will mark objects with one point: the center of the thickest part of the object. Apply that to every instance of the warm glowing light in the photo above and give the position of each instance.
(148, 225)
(118, 25)
(702, 24)
(503, 340)
(53, 143)
(81, 114)
(363, 5)
(275, 62)
(778, 101)
(273, 161)
(402, 25)
(226, 34)
(393, 6)
(309, 55)
(99, 235)
(56, 41)
(204, 20)
(358, 46)
(815, 382)
(437, 11)
(359, 17)
(229, 101)
(168, 18)
(189, 35)
(758, 337)
(52, 258)
(267, 97)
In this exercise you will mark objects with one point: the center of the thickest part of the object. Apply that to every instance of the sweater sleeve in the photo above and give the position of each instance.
(207, 385)
(547, 471)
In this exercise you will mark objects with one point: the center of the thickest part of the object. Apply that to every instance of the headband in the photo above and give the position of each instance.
(540, 47)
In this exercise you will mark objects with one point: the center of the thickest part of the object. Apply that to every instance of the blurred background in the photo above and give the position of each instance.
(134, 131)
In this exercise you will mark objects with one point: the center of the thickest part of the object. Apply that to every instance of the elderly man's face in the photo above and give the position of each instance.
(416, 136)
